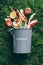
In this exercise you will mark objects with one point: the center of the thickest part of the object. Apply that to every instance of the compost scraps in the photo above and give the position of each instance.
(18, 19)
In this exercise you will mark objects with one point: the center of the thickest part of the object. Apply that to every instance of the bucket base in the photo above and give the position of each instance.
(21, 52)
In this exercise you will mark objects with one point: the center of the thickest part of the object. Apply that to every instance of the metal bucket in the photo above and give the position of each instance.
(21, 40)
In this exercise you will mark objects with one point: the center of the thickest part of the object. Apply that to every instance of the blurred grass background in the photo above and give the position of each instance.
(7, 57)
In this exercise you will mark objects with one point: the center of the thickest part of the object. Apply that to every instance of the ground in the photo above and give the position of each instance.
(7, 57)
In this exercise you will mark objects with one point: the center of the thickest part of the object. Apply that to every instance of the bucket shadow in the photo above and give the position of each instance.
(20, 59)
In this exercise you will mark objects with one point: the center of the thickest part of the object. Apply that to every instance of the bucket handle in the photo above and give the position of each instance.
(11, 31)
(33, 32)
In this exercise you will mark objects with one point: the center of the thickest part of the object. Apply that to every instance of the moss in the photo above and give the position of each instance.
(7, 57)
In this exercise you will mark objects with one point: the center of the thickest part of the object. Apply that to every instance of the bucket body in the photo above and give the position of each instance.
(22, 40)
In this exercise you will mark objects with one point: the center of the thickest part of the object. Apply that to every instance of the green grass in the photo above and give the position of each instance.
(7, 57)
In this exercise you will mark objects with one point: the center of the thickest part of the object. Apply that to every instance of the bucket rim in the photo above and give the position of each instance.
(22, 29)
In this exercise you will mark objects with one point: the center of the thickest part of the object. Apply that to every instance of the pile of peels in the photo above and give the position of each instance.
(18, 17)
